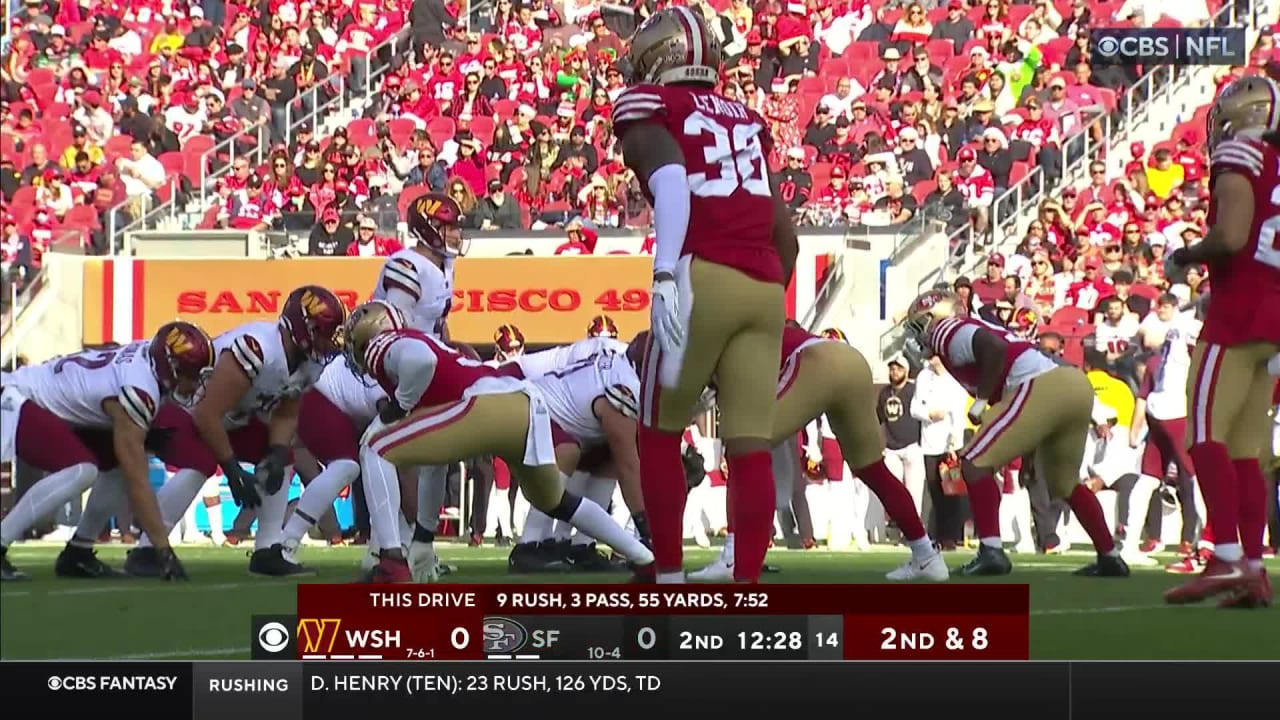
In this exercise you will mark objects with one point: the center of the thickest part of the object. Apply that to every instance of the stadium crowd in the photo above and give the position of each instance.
(879, 109)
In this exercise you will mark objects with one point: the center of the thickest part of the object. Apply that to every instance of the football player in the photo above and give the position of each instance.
(822, 376)
(331, 418)
(590, 394)
(1023, 402)
(725, 251)
(79, 414)
(248, 411)
(418, 281)
(460, 408)
(1229, 386)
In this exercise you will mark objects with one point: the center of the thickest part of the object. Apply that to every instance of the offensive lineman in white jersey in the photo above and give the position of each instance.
(75, 415)
(418, 281)
(248, 411)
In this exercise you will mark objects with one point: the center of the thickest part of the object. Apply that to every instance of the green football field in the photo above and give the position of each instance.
(1071, 618)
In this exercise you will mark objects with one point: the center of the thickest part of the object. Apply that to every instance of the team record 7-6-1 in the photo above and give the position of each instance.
(413, 684)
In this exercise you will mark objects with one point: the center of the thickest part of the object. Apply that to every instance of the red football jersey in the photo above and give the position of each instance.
(451, 376)
(725, 145)
(962, 365)
(1246, 286)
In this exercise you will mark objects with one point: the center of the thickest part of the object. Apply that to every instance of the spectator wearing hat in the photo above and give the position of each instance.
(580, 239)
(1042, 135)
(329, 237)
(599, 204)
(253, 112)
(369, 244)
(821, 128)
(901, 428)
(249, 208)
(891, 71)
(430, 170)
(53, 193)
(99, 125)
(1062, 109)
(202, 32)
(981, 118)
(991, 286)
(793, 181)
(187, 117)
(913, 160)
(995, 158)
(977, 187)
(898, 205)
(1088, 291)
(956, 26)
(496, 210)
(80, 144)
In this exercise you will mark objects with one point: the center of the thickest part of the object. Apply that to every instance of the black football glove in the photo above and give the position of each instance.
(391, 412)
(272, 468)
(171, 566)
(694, 469)
(241, 486)
(157, 439)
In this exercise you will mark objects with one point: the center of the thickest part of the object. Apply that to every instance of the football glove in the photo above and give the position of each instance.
(976, 410)
(171, 566)
(664, 316)
(694, 469)
(391, 412)
(241, 485)
(271, 469)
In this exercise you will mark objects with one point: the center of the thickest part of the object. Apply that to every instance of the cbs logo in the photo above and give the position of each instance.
(273, 637)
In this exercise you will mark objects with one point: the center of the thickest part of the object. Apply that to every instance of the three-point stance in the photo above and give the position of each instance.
(1229, 386)
(1023, 402)
(725, 250)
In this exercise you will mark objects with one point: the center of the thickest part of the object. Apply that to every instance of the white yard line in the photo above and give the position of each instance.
(130, 587)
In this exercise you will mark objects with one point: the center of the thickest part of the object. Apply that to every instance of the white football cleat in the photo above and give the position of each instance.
(718, 571)
(931, 568)
(371, 558)
(423, 562)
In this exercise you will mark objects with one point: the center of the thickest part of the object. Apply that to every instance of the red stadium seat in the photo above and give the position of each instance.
(174, 163)
(362, 132)
(82, 216)
(402, 130)
(199, 144)
(1069, 317)
(118, 145)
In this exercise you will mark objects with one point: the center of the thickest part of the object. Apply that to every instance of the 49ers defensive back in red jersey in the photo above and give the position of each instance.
(1229, 386)
(1024, 403)
(725, 249)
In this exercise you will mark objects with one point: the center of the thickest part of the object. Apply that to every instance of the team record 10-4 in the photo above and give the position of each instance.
(611, 622)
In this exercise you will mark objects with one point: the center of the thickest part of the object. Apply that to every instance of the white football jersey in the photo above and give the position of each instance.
(535, 365)
(1168, 398)
(259, 351)
(355, 395)
(74, 387)
(422, 291)
(571, 393)
(1115, 338)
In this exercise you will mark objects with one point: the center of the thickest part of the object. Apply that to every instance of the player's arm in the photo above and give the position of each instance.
(411, 365)
(658, 162)
(284, 422)
(128, 435)
(620, 433)
(1233, 202)
(228, 383)
(989, 353)
(785, 240)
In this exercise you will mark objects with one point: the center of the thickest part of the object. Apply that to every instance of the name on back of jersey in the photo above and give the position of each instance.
(716, 105)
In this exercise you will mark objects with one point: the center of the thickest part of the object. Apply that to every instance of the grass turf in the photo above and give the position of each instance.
(1071, 618)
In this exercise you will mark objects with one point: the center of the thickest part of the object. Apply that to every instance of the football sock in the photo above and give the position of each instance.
(317, 498)
(600, 492)
(432, 485)
(177, 493)
(1253, 506)
(663, 485)
(537, 526)
(44, 498)
(382, 497)
(984, 500)
(1088, 511)
(727, 553)
(1217, 477)
(895, 498)
(106, 498)
(751, 474)
(271, 515)
(592, 520)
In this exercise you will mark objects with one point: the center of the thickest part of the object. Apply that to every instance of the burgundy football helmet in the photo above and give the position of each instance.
(508, 342)
(314, 317)
(435, 220)
(602, 326)
(180, 351)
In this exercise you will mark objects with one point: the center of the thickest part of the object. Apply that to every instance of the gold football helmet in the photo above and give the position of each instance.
(1248, 107)
(365, 323)
(932, 305)
(674, 46)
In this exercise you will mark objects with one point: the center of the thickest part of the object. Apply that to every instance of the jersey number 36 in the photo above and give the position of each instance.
(739, 158)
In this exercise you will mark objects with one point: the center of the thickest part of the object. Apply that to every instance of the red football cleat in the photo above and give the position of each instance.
(1183, 566)
(1219, 576)
(1257, 594)
(391, 570)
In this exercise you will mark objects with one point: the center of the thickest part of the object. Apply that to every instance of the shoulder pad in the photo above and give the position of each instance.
(249, 355)
(376, 352)
(1237, 156)
(638, 104)
(401, 274)
(138, 405)
(941, 332)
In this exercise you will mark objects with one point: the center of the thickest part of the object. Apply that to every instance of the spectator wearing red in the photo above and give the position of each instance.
(357, 40)
(991, 286)
(976, 185)
(250, 208)
(994, 23)
(580, 239)
(914, 28)
(369, 244)
(470, 165)
(599, 205)
(282, 186)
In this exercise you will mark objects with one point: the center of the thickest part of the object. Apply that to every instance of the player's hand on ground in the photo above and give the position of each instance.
(171, 566)
(664, 314)
(241, 486)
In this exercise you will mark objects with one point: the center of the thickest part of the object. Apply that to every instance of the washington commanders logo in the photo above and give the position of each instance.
(312, 303)
(428, 206)
(316, 636)
(178, 342)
